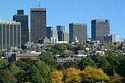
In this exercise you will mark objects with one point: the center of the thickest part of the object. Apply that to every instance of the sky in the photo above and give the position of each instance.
(63, 12)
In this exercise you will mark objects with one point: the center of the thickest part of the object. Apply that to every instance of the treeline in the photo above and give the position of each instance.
(73, 75)
(93, 68)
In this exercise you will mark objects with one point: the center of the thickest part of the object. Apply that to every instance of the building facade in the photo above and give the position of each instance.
(54, 36)
(99, 28)
(66, 36)
(114, 38)
(77, 31)
(60, 31)
(49, 32)
(10, 34)
(23, 19)
(38, 23)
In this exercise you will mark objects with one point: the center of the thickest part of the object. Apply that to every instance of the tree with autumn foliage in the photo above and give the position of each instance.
(72, 75)
(57, 76)
(93, 74)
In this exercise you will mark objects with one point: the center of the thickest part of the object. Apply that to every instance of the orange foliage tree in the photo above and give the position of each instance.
(72, 75)
(93, 74)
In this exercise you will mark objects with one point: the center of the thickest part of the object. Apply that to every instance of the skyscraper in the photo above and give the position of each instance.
(66, 36)
(77, 31)
(112, 38)
(60, 32)
(20, 17)
(54, 36)
(38, 23)
(49, 32)
(10, 34)
(99, 28)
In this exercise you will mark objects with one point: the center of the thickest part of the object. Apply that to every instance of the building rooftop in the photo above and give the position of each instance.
(38, 9)
(8, 22)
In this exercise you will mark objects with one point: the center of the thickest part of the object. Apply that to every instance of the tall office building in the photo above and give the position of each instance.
(38, 23)
(112, 38)
(10, 34)
(60, 32)
(49, 32)
(66, 36)
(54, 36)
(23, 19)
(77, 31)
(99, 28)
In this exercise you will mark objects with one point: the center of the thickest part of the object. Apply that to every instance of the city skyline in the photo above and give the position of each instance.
(75, 11)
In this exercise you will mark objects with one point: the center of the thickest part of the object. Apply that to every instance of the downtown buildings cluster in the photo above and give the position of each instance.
(16, 33)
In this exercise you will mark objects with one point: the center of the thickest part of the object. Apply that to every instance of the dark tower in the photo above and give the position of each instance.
(99, 28)
(60, 32)
(38, 23)
(23, 19)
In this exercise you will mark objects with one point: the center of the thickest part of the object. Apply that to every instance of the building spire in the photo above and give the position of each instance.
(39, 4)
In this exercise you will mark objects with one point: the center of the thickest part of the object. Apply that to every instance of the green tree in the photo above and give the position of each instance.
(14, 69)
(24, 64)
(34, 75)
(7, 77)
(2, 54)
(49, 59)
(121, 67)
(43, 69)
(3, 64)
(86, 62)
(59, 48)
(103, 63)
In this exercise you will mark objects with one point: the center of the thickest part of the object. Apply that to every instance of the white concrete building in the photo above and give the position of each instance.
(10, 34)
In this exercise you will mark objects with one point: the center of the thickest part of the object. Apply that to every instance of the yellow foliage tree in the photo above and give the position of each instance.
(57, 76)
(72, 75)
(93, 74)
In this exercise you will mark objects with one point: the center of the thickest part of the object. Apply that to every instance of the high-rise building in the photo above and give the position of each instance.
(49, 32)
(10, 34)
(38, 23)
(23, 19)
(99, 28)
(77, 31)
(112, 38)
(60, 32)
(66, 36)
(54, 36)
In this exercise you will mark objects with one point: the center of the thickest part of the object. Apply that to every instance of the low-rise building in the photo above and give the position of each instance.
(25, 56)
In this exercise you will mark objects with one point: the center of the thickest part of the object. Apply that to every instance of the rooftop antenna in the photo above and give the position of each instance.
(39, 4)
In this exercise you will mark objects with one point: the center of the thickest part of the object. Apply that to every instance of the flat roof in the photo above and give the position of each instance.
(8, 22)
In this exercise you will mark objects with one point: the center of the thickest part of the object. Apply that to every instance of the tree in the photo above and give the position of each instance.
(59, 48)
(14, 69)
(115, 61)
(25, 64)
(92, 74)
(79, 47)
(85, 62)
(43, 69)
(121, 67)
(103, 63)
(49, 59)
(3, 64)
(57, 76)
(7, 77)
(72, 75)
(34, 75)
(2, 54)
(31, 75)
